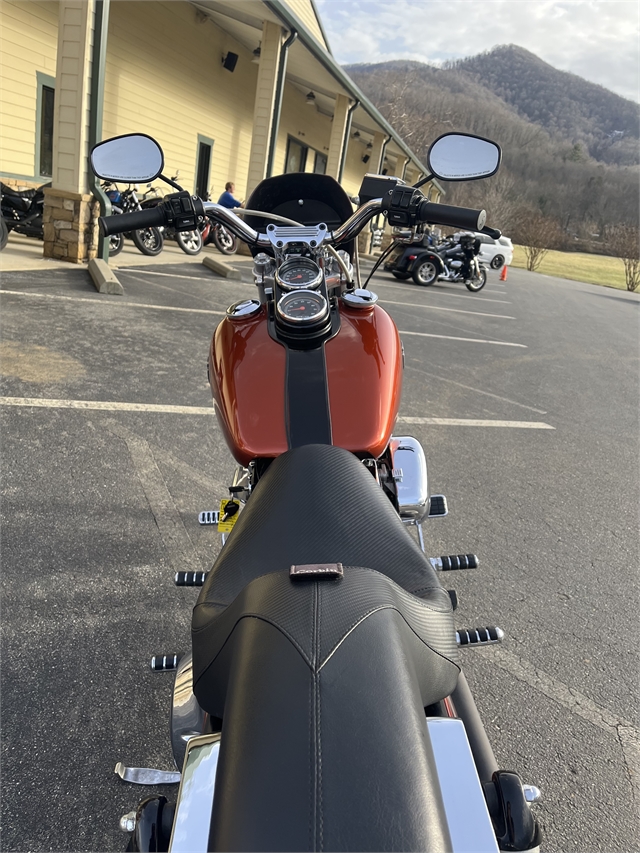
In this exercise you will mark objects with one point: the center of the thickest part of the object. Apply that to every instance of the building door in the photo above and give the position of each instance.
(203, 166)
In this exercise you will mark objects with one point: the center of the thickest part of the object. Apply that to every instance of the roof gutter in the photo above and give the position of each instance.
(291, 21)
(347, 133)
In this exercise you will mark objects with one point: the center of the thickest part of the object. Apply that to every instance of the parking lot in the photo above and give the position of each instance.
(525, 398)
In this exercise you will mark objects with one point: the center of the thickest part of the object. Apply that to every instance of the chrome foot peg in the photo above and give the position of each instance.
(190, 578)
(479, 636)
(147, 775)
(454, 562)
(165, 663)
(209, 517)
(438, 507)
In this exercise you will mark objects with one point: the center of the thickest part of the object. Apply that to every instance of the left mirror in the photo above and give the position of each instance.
(130, 158)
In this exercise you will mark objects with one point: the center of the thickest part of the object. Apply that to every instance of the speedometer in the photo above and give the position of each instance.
(303, 307)
(299, 273)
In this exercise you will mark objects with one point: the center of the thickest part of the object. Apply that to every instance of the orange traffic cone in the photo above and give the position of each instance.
(503, 274)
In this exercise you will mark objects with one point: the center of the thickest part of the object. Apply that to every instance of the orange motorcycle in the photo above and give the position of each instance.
(323, 705)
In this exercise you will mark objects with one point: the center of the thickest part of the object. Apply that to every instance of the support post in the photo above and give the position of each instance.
(67, 204)
(375, 158)
(336, 140)
(98, 65)
(263, 111)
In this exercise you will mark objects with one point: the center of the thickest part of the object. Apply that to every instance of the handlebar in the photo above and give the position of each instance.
(441, 214)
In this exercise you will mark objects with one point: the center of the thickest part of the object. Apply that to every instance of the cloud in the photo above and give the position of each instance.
(596, 39)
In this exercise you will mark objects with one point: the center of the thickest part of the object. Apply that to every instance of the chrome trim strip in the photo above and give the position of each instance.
(192, 823)
(468, 819)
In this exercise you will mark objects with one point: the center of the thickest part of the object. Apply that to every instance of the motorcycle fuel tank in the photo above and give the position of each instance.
(248, 377)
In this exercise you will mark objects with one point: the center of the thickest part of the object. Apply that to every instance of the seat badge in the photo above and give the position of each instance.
(317, 570)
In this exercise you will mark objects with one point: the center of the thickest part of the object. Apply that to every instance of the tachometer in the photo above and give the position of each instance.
(303, 307)
(299, 273)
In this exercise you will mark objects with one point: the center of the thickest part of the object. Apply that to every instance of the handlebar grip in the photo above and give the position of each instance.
(148, 218)
(465, 218)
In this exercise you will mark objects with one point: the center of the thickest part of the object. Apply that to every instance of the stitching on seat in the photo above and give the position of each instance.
(366, 616)
(319, 720)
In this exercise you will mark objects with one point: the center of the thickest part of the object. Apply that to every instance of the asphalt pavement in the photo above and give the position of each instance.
(525, 398)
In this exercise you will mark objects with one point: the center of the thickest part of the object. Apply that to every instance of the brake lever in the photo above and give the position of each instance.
(494, 233)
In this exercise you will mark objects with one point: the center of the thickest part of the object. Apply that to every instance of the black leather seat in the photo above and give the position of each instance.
(322, 684)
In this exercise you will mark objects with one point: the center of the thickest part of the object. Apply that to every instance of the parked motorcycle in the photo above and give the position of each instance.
(456, 259)
(22, 212)
(191, 242)
(149, 241)
(322, 706)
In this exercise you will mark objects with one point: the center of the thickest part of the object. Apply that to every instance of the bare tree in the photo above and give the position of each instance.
(625, 244)
(537, 234)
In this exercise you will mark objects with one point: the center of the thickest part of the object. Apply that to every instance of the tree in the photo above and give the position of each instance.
(537, 234)
(625, 244)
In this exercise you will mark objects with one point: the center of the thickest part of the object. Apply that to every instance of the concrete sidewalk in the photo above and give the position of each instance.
(25, 253)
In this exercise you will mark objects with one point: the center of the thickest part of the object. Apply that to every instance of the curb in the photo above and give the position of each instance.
(222, 269)
(104, 277)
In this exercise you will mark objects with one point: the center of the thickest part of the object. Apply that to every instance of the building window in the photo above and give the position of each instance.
(296, 158)
(203, 166)
(320, 165)
(44, 125)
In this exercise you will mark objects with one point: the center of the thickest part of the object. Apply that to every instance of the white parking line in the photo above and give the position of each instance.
(113, 303)
(102, 405)
(440, 308)
(468, 340)
(111, 406)
(476, 423)
(211, 279)
(439, 291)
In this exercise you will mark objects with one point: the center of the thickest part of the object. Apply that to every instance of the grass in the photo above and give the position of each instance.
(596, 269)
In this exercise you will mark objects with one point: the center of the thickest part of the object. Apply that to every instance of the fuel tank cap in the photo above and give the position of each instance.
(360, 298)
(242, 310)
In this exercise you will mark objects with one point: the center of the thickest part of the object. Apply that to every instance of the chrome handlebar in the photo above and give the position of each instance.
(345, 232)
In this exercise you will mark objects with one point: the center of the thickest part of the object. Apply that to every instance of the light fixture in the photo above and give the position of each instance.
(369, 144)
(356, 135)
(310, 99)
(256, 55)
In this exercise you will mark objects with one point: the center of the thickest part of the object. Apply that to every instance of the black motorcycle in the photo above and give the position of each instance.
(455, 259)
(22, 212)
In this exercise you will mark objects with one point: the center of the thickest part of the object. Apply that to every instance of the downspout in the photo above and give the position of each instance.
(347, 134)
(382, 150)
(96, 105)
(277, 104)
(404, 168)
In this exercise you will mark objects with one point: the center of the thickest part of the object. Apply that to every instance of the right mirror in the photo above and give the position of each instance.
(463, 157)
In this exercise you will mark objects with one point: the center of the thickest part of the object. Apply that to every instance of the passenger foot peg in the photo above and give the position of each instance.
(190, 578)
(438, 507)
(479, 636)
(165, 663)
(147, 775)
(209, 517)
(454, 562)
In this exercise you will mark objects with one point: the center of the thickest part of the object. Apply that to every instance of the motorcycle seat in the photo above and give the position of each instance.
(318, 503)
(321, 686)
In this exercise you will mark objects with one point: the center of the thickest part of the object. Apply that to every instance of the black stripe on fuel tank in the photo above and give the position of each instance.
(307, 413)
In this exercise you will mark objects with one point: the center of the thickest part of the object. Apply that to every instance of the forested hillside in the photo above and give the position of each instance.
(562, 138)
(603, 123)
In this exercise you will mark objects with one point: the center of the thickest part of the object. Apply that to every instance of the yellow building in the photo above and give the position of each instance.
(234, 90)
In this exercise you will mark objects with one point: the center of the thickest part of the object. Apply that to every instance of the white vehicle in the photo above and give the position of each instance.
(496, 253)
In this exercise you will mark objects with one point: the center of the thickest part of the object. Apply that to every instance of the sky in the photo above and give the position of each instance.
(596, 39)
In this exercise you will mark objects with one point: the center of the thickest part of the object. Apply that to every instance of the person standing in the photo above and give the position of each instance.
(227, 199)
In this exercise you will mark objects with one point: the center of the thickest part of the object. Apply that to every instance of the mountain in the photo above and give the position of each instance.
(564, 104)
(570, 148)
